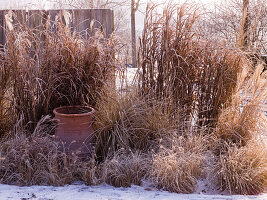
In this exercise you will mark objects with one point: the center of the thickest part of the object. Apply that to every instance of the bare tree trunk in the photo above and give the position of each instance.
(244, 26)
(133, 33)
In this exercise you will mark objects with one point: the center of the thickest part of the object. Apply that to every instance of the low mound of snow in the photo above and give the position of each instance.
(106, 192)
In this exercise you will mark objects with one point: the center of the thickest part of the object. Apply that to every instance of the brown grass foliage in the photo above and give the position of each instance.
(177, 167)
(90, 172)
(124, 169)
(176, 65)
(36, 159)
(51, 66)
(131, 122)
(156, 131)
(5, 74)
(244, 118)
(241, 152)
(243, 170)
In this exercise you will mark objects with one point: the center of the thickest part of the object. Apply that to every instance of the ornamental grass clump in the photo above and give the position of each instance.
(244, 119)
(125, 169)
(35, 160)
(176, 65)
(176, 168)
(50, 66)
(239, 145)
(131, 122)
(38, 159)
(242, 170)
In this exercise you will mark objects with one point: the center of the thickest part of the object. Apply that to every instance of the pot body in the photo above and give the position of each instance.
(74, 129)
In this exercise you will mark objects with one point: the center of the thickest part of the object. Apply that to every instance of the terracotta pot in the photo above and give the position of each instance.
(75, 129)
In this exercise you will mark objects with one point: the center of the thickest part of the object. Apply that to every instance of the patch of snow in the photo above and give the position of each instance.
(125, 78)
(106, 192)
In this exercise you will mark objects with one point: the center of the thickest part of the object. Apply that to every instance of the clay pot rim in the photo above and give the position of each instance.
(55, 111)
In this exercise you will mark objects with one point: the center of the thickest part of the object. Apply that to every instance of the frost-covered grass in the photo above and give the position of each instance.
(174, 129)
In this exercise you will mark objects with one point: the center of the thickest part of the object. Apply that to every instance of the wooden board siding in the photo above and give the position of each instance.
(81, 19)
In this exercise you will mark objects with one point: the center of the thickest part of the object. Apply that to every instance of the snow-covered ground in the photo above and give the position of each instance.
(125, 78)
(105, 192)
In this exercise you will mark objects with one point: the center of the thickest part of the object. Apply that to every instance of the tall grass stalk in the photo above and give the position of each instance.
(244, 119)
(196, 75)
(50, 66)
